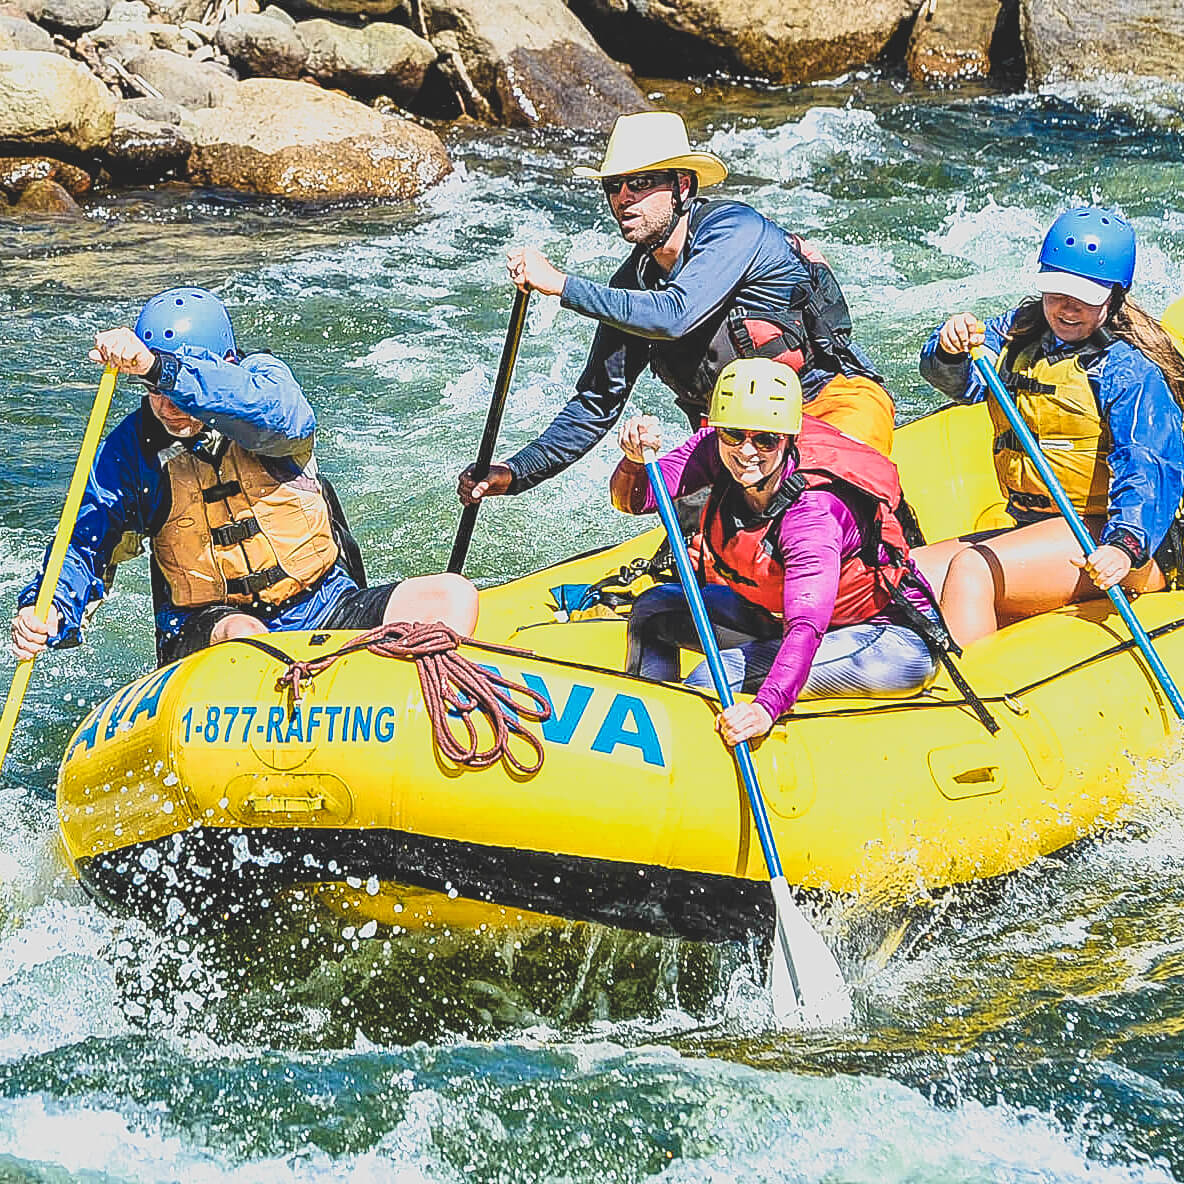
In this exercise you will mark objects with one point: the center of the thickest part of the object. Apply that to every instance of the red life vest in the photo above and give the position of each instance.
(748, 561)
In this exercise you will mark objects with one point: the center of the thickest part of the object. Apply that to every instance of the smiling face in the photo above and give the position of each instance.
(1070, 319)
(748, 464)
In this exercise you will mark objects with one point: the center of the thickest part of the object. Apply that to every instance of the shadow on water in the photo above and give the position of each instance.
(303, 979)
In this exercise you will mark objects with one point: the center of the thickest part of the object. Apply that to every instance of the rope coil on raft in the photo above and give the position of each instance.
(450, 683)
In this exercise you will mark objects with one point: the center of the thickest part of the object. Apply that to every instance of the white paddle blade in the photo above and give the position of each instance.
(807, 986)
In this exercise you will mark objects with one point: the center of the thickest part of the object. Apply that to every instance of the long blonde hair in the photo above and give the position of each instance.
(1127, 321)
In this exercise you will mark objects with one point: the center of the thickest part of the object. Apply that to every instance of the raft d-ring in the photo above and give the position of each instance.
(1015, 705)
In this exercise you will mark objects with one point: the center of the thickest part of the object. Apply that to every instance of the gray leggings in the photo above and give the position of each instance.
(874, 658)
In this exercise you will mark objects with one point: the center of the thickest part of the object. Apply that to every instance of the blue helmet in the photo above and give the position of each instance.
(1098, 245)
(186, 316)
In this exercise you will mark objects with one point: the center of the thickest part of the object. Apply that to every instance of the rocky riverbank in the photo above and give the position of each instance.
(327, 99)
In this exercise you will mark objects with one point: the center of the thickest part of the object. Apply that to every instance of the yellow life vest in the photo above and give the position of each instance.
(1056, 400)
(241, 530)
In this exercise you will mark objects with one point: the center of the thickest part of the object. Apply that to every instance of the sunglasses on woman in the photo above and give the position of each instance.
(637, 183)
(761, 441)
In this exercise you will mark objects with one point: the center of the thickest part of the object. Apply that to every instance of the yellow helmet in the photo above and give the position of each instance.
(759, 395)
(1173, 322)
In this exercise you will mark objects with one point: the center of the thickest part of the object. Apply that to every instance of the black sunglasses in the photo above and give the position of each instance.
(636, 183)
(761, 441)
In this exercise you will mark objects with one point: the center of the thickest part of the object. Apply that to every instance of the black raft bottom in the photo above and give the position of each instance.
(215, 876)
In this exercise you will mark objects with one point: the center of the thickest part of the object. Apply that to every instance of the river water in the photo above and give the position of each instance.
(1030, 1033)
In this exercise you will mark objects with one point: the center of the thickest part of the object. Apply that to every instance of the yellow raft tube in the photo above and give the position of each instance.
(200, 791)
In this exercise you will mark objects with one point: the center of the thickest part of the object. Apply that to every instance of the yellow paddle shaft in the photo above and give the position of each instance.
(57, 553)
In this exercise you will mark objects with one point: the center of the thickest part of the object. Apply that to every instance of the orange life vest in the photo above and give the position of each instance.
(241, 530)
(748, 560)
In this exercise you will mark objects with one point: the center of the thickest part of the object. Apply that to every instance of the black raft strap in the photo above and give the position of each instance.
(255, 582)
(235, 532)
(937, 636)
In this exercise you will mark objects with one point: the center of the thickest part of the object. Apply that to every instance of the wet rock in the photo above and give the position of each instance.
(533, 64)
(378, 57)
(142, 150)
(1096, 37)
(17, 173)
(781, 40)
(18, 33)
(262, 46)
(73, 16)
(952, 40)
(182, 81)
(362, 8)
(46, 98)
(297, 140)
(46, 197)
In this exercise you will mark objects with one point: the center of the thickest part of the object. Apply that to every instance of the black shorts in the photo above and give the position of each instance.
(361, 608)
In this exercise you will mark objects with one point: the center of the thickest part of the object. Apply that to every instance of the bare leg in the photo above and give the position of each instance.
(1019, 574)
(933, 560)
(448, 598)
(236, 625)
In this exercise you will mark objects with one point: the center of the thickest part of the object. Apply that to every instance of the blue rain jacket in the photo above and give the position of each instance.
(257, 403)
(1147, 455)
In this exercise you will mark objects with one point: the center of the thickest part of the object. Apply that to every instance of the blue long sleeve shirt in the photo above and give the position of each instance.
(734, 258)
(257, 403)
(1146, 457)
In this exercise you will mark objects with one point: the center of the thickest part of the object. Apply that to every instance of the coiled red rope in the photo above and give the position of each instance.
(450, 683)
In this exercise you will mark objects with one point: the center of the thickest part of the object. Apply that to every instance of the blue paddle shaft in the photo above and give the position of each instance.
(715, 663)
(1031, 446)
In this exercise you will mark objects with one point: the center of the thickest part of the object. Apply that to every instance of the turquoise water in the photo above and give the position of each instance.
(1030, 1033)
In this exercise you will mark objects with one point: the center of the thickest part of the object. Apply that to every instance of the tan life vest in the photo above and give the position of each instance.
(239, 532)
(1058, 404)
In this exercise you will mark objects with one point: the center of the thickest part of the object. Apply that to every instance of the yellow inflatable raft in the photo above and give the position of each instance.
(202, 790)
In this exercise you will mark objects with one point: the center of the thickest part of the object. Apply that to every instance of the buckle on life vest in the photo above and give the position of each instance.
(219, 493)
(235, 532)
(255, 581)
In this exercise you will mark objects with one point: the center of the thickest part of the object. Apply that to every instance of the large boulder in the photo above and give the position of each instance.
(534, 63)
(48, 99)
(952, 40)
(1092, 37)
(376, 58)
(781, 40)
(183, 81)
(258, 44)
(295, 140)
(18, 33)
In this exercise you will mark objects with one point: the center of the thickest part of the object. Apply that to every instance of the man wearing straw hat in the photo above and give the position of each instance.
(707, 282)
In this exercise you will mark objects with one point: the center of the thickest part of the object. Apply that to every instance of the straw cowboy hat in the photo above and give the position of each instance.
(654, 140)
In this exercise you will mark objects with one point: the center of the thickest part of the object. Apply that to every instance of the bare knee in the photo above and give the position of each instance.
(968, 595)
(236, 625)
(446, 597)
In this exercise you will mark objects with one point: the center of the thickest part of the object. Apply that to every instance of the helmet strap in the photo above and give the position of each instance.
(678, 207)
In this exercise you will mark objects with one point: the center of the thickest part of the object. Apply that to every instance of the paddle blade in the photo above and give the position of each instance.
(807, 985)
